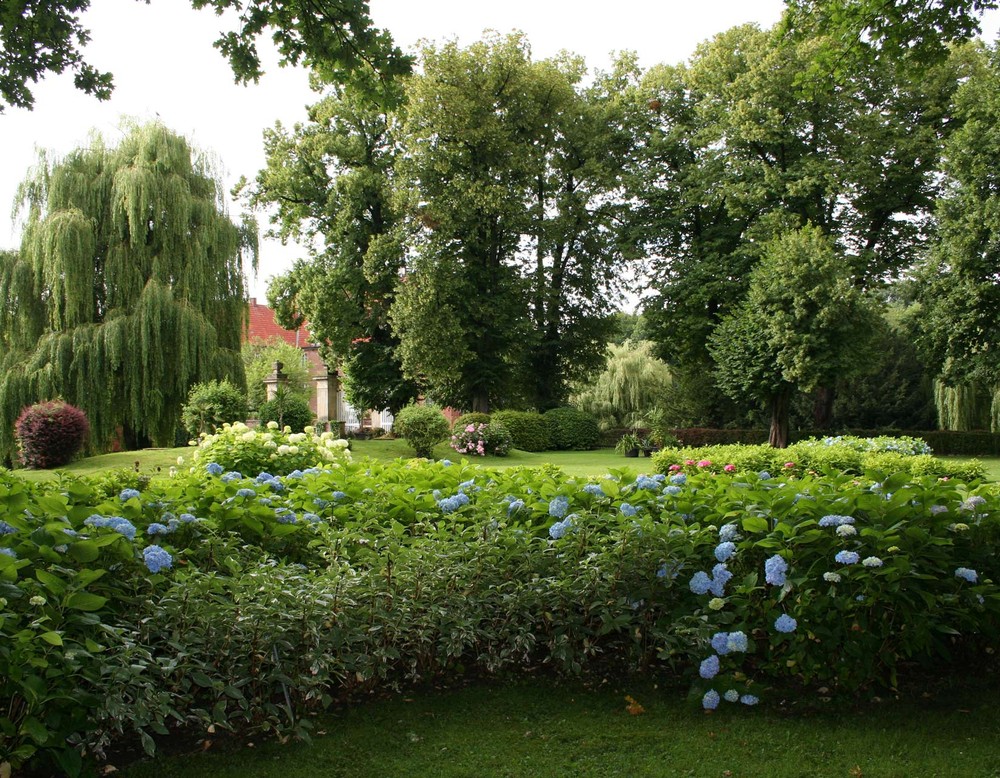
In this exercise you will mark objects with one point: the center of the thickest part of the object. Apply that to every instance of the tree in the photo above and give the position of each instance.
(961, 291)
(513, 175)
(802, 326)
(128, 287)
(331, 184)
(336, 38)
(633, 383)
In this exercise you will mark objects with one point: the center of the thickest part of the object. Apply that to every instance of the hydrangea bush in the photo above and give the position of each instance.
(236, 447)
(322, 582)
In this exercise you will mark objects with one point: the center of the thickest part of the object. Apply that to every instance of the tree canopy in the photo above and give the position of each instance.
(335, 37)
(128, 287)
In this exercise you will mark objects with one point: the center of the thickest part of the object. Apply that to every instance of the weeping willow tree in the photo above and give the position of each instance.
(128, 287)
(633, 383)
(967, 407)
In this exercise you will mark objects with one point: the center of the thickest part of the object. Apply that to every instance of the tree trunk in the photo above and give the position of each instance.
(480, 404)
(823, 407)
(778, 437)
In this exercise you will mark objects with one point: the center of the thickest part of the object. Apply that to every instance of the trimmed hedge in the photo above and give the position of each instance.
(572, 429)
(50, 434)
(466, 419)
(528, 430)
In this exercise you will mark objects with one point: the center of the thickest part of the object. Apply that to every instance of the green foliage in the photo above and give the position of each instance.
(572, 429)
(259, 356)
(423, 426)
(128, 287)
(212, 404)
(50, 434)
(270, 448)
(529, 431)
(481, 439)
(286, 410)
(336, 40)
(289, 589)
(633, 383)
(470, 418)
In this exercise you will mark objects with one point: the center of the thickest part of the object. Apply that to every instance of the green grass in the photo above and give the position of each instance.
(156, 461)
(537, 729)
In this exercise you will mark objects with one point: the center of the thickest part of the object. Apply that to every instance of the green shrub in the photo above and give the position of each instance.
(572, 429)
(210, 405)
(287, 410)
(50, 434)
(423, 427)
(481, 439)
(466, 419)
(239, 449)
(528, 430)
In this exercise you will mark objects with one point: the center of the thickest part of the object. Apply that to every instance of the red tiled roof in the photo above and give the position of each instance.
(262, 325)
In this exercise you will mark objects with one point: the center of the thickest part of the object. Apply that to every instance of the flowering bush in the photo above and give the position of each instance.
(482, 439)
(324, 582)
(238, 448)
(50, 434)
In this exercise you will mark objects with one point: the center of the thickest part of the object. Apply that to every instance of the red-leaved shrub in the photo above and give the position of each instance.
(50, 434)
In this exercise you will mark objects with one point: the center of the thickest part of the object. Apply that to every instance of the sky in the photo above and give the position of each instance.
(165, 68)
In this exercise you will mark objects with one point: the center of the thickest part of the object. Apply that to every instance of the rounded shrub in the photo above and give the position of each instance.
(237, 448)
(50, 434)
(466, 419)
(572, 429)
(210, 405)
(423, 427)
(288, 410)
(528, 430)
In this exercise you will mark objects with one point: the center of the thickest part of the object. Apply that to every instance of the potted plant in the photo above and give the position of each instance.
(629, 444)
(648, 447)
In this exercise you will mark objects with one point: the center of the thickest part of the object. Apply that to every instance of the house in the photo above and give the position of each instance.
(327, 398)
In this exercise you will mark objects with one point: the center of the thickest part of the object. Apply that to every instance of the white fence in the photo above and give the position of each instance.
(354, 420)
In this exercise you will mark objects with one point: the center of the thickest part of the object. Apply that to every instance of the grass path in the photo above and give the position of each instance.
(540, 729)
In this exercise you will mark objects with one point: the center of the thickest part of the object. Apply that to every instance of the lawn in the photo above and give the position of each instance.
(158, 461)
(542, 728)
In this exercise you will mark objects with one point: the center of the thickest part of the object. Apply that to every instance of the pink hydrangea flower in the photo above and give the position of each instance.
(789, 464)
(729, 468)
(705, 463)
(674, 468)
(688, 461)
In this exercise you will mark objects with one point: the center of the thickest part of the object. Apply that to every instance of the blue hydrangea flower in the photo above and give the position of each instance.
(749, 699)
(785, 623)
(967, 574)
(156, 559)
(265, 501)
(8, 552)
(700, 582)
(847, 557)
(720, 643)
(711, 700)
(311, 471)
(320, 503)
(559, 506)
(725, 550)
(732, 696)
(672, 490)
(246, 492)
(628, 510)
(338, 495)
(775, 570)
(720, 577)
(158, 529)
(678, 479)
(515, 506)
(936, 509)
(560, 528)
(728, 533)
(763, 475)
(122, 526)
(453, 503)
(263, 476)
(296, 474)
(709, 668)
(446, 462)
(311, 517)
(737, 641)
(835, 521)
(467, 484)
(6, 529)
(645, 482)
(594, 489)
(285, 516)
(231, 476)
(128, 494)
(213, 468)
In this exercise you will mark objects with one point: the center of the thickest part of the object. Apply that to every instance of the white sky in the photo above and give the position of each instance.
(165, 67)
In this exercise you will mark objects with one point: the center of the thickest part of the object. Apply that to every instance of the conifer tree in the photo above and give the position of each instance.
(128, 287)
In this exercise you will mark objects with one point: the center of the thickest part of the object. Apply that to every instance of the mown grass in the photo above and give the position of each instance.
(539, 728)
(158, 461)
